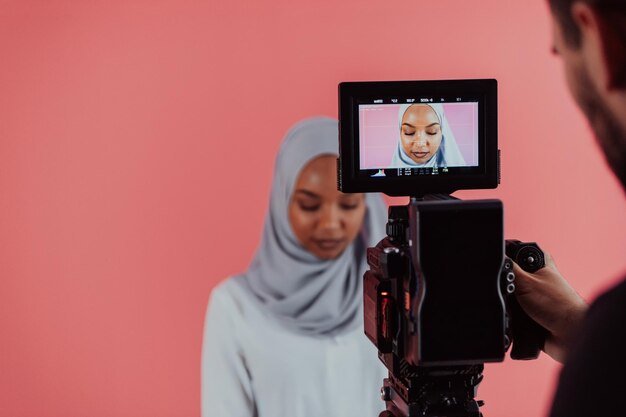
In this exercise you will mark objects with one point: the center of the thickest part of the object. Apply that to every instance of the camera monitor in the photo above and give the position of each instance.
(412, 138)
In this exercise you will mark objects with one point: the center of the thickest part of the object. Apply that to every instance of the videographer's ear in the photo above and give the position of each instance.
(602, 37)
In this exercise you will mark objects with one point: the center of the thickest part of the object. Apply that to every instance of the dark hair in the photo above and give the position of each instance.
(613, 10)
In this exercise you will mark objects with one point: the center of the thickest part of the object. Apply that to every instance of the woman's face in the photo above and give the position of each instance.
(324, 220)
(420, 133)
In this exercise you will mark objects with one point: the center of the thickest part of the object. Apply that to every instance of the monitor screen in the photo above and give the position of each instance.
(416, 137)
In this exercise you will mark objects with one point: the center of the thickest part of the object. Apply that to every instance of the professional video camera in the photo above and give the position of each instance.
(439, 295)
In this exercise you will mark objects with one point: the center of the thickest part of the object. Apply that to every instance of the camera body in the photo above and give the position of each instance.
(439, 293)
(439, 303)
(436, 290)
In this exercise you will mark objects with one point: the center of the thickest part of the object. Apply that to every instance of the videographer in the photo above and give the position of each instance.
(285, 338)
(590, 38)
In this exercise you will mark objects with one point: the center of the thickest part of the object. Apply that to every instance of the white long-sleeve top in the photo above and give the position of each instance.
(252, 366)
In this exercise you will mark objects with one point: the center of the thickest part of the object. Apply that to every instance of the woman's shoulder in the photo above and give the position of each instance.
(230, 294)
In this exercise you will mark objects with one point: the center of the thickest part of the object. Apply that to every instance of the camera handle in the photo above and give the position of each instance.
(528, 336)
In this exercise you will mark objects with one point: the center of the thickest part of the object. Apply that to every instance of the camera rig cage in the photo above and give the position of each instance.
(438, 297)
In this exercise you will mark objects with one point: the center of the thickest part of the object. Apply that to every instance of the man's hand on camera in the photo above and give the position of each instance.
(549, 300)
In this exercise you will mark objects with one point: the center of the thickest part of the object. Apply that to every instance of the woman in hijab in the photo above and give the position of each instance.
(426, 139)
(285, 338)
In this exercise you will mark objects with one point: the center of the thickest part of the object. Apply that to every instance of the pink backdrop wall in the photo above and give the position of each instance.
(122, 201)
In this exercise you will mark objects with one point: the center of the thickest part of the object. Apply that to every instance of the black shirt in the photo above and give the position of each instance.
(593, 379)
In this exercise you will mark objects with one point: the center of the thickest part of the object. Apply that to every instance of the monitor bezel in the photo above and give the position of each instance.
(486, 175)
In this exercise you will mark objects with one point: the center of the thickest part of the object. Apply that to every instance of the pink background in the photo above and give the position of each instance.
(124, 195)
(379, 132)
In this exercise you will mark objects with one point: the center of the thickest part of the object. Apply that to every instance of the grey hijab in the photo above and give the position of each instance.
(306, 294)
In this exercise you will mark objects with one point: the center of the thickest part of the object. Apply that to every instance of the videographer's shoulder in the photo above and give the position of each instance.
(609, 309)
(602, 337)
(596, 353)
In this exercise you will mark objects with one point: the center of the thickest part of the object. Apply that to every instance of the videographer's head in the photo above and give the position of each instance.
(562, 11)
(590, 37)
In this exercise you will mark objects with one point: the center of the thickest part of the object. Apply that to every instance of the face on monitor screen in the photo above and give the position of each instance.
(427, 136)
(418, 135)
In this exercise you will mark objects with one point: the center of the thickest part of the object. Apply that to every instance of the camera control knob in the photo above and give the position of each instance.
(385, 393)
(396, 230)
(528, 337)
(530, 258)
(397, 224)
